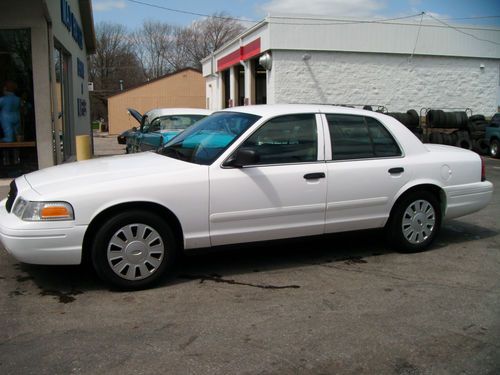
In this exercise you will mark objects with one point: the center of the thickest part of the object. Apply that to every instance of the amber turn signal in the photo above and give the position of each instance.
(55, 212)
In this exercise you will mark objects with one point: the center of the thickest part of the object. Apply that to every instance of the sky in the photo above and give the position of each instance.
(132, 14)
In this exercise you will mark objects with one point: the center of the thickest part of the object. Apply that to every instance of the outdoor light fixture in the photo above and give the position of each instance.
(266, 61)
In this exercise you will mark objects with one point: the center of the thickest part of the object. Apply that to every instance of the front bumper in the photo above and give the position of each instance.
(41, 242)
(466, 199)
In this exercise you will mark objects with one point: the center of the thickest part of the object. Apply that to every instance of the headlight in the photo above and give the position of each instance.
(43, 211)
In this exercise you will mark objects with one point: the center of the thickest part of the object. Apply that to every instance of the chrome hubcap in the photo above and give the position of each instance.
(494, 149)
(419, 220)
(135, 251)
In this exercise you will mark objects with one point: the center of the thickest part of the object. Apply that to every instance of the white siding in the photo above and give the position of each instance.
(398, 38)
(395, 81)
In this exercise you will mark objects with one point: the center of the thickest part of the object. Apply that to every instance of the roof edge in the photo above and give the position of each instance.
(88, 25)
(154, 80)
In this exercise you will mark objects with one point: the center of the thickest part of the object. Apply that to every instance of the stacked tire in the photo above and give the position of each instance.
(449, 128)
(410, 119)
(477, 126)
(437, 118)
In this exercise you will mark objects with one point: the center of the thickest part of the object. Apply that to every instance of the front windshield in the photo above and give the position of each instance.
(175, 122)
(206, 140)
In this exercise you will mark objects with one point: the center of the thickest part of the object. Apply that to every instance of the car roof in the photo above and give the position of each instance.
(270, 110)
(411, 144)
(177, 111)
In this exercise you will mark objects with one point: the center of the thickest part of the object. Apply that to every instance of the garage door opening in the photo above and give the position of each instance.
(260, 75)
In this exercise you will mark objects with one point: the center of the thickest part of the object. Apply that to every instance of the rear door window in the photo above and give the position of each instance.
(359, 137)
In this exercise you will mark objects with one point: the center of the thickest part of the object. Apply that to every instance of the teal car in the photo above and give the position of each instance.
(159, 126)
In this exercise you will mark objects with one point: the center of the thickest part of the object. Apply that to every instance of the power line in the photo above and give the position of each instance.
(336, 22)
(469, 18)
(418, 34)
(461, 31)
(343, 22)
(190, 13)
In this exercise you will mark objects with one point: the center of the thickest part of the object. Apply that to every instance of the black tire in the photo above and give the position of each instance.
(476, 118)
(463, 140)
(110, 229)
(494, 148)
(432, 138)
(482, 146)
(414, 118)
(477, 135)
(418, 237)
(439, 138)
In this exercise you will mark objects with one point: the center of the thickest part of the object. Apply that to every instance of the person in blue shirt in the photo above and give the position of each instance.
(10, 117)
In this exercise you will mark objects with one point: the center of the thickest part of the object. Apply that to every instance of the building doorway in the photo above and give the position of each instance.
(18, 154)
(260, 75)
(240, 85)
(63, 129)
(226, 89)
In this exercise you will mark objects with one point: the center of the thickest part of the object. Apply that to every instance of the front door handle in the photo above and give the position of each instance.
(314, 176)
(396, 170)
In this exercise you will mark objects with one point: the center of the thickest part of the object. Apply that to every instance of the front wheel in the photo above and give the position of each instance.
(133, 249)
(414, 222)
(494, 146)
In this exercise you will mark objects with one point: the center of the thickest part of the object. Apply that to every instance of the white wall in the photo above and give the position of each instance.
(213, 92)
(81, 123)
(395, 81)
(33, 18)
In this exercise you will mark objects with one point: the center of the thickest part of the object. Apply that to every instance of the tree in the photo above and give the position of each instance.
(113, 61)
(205, 36)
(153, 43)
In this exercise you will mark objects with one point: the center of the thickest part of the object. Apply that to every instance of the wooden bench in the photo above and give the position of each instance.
(23, 144)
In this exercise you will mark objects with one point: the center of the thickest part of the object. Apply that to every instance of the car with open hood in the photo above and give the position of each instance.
(158, 126)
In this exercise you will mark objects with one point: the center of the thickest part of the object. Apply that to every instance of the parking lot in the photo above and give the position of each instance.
(341, 304)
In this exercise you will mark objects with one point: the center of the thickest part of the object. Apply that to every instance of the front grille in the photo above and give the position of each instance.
(12, 196)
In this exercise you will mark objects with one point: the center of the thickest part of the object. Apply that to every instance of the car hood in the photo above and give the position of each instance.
(79, 175)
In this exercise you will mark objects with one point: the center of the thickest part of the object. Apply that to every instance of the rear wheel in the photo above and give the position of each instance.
(414, 222)
(494, 148)
(133, 249)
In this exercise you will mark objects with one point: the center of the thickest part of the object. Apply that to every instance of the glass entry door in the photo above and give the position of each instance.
(63, 128)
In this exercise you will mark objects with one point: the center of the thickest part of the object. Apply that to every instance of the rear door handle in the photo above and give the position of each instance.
(396, 170)
(314, 176)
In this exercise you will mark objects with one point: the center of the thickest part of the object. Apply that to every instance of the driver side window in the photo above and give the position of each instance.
(286, 139)
(155, 125)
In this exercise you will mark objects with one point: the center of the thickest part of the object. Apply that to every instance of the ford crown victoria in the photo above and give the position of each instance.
(243, 174)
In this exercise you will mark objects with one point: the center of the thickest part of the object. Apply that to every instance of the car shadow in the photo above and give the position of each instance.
(218, 264)
(350, 248)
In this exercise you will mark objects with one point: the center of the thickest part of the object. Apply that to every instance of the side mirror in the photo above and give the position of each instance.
(244, 157)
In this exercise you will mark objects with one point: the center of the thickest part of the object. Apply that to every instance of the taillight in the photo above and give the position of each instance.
(483, 170)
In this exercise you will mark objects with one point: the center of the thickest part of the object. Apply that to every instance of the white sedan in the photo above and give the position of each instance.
(243, 174)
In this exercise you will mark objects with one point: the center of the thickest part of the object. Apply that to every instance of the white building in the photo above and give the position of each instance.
(44, 46)
(397, 64)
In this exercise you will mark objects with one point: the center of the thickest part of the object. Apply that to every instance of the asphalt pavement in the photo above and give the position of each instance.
(341, 304)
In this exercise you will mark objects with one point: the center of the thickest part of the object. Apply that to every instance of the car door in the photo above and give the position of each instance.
(282, 195)
(365, 171)
(151, 137)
